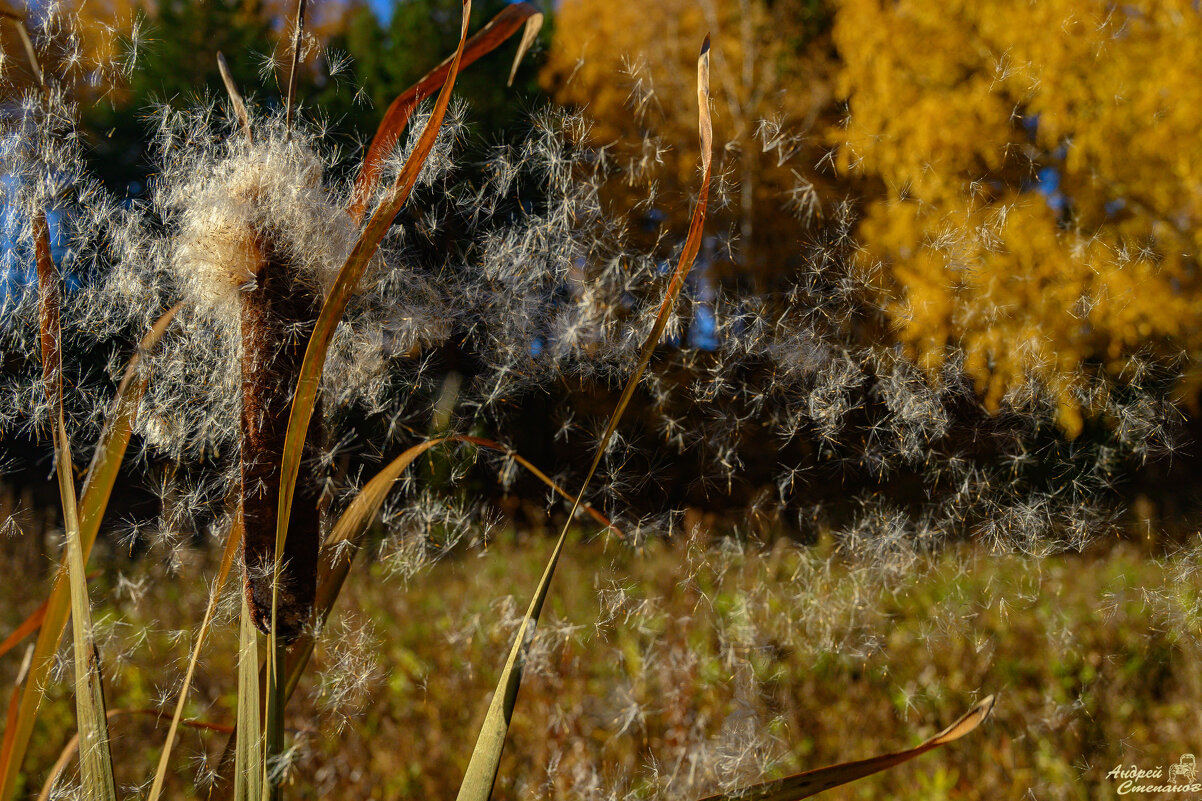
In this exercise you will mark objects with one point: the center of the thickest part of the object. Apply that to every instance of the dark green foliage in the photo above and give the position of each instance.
(391, 57)
(177, 63)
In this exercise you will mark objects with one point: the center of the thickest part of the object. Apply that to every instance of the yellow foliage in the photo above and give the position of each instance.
(1039, 181)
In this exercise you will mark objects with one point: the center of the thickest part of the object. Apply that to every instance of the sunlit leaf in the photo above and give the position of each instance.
(313, 367)
(486, 756)
(812, 782)
(95, 758)
(98, 486)
(248, 747)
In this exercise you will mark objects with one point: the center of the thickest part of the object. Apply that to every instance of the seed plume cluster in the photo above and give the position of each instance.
(509, 300)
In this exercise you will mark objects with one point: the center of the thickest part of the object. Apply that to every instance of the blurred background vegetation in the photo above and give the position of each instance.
(1017, 184)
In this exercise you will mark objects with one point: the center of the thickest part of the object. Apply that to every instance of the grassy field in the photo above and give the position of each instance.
(680, 669)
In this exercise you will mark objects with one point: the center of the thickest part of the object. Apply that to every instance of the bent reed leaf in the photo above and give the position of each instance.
(28, 626)
(233, 538)
(812, 782)
(31, 624)
(95, 758)
(482, 767)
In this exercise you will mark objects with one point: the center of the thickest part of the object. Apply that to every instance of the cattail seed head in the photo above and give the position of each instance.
(258, 193)
(275, 312)
(259, 239)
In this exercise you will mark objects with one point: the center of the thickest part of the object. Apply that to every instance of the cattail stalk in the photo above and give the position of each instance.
(276, 310)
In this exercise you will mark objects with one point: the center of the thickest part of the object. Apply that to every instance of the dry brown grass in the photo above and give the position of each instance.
(742, 662)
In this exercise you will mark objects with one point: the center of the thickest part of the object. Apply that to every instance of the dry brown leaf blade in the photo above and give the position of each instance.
(804, 785)
(529, 33)
(236, 100)
(496, 32)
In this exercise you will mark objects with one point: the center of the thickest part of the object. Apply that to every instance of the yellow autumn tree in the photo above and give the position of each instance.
(1038, 182)
(631, 68)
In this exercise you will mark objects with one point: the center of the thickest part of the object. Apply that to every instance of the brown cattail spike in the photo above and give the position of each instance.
(276, 312)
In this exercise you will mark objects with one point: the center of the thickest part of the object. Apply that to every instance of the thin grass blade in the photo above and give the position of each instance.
(541, 476)
(482, 767)
(499, 29)
(804, 785)
(72, 745)
(233, 538)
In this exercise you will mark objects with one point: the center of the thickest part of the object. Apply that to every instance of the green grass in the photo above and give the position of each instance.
(711, 664)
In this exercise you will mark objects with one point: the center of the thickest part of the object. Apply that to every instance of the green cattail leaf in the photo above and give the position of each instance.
(227, 560)
(313, 366)
(486, 756)
(498, 30)
(98, 486)
(804, 785)
(344, 287)
(340, 546)
(95, 759)
(248, 750)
